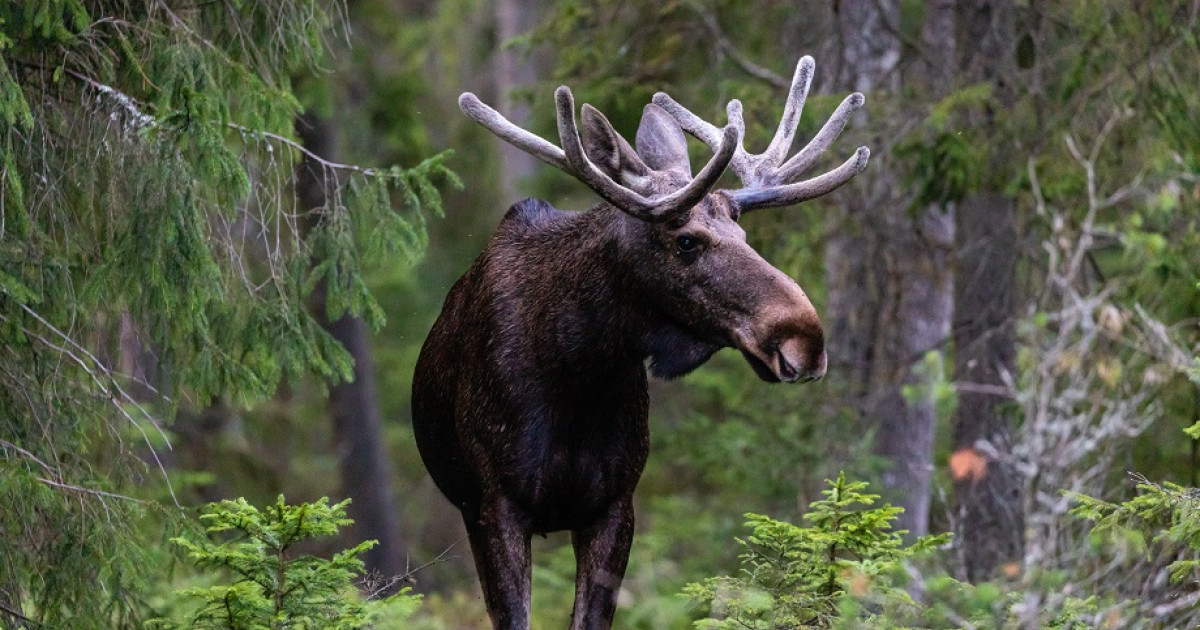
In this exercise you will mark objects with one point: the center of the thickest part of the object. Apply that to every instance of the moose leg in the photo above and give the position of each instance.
(601, 553)
(499, 538)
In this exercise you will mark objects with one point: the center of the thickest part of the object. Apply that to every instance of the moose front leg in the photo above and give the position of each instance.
(601, 553)
(499, 536)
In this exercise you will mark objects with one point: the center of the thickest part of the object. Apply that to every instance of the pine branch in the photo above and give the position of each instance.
(143, 120)
(34, 458)
(128, 103)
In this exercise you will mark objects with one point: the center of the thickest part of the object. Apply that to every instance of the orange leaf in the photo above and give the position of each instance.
(968, 464)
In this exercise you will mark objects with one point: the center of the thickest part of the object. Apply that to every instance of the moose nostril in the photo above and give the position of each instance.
(797, 360)
(788, 372)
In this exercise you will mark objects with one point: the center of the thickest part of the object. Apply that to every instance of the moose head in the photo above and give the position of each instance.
(530, 395)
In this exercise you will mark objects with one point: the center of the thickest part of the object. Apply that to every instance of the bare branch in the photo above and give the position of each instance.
(19, 617)
(30, 456)
(292, 144)
(91, 365)
(143, 120)
(128, 103)
(739, 59)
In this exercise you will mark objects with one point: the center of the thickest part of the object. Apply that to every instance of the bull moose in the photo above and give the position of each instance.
(530, 394)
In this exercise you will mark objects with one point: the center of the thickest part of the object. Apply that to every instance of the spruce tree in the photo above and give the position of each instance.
(151, 257)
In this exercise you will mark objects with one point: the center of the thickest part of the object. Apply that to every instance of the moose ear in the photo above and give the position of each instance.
(661, 143)
(608, 150)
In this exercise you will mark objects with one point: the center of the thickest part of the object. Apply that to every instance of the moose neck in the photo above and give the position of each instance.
(598, 318)
(592, 306)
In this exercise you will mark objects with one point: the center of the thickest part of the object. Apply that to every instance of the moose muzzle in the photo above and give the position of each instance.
(785, 343)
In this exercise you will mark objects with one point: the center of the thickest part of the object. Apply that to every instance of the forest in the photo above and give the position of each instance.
(227, 227)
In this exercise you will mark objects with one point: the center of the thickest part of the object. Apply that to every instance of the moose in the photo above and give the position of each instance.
(530, 399)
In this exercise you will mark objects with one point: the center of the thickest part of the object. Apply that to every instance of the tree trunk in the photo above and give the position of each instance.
(989, 520)
(912, 325)
(890, 284)
(353, 406)
(851, 253)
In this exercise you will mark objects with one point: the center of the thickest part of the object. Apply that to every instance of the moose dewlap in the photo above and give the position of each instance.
(530, 396)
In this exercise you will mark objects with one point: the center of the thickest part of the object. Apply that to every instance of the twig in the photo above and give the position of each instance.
(102, 493)
(31, 456)
(370, 172)
(374, 585)
(441, 557)
(131, 105)
(1187, 601)
(22, 618)
(121, 395)
(983, 388)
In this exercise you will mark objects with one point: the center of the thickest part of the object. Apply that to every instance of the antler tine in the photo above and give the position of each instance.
(691, 194)
(580, 166)
(691, 123)
(496, 123)
(765, 175)
(829, 132)
(709, 134)
(788, 194)
(753, 170)
(624, 198)
(782, 142)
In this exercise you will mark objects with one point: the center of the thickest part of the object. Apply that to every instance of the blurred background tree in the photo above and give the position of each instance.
(1010, 291)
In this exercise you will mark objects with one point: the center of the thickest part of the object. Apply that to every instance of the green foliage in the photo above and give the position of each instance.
(945, 163)
(796, 577)
(1162, 518)
(14, 111)
(948, 604)
(75, 569)
(153, 256)
(43, 21)
(848, 570)
(1137, 547)
(102, 241)
(274, 587)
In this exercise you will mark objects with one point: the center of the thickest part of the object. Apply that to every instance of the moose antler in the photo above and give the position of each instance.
(573, 160)
(766, 176)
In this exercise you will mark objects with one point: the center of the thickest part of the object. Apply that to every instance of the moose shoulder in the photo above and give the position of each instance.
(530, 394)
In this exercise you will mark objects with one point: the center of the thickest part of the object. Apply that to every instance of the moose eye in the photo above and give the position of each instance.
(687, 243)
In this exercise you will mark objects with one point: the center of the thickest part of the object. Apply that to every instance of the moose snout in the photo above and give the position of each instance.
(788, 336)
(785, 349)
(795, 360)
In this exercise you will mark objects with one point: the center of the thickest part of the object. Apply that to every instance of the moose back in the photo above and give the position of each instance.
(530, 394)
